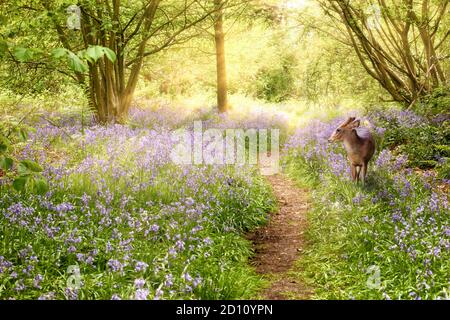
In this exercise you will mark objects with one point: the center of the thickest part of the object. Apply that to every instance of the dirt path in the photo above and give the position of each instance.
(279, 244)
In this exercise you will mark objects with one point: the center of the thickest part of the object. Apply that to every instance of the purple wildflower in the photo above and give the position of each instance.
(115, 265)
(141, 266)
(141, 294)
(139, 283)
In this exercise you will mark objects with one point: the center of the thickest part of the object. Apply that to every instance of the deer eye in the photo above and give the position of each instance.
(338, 130)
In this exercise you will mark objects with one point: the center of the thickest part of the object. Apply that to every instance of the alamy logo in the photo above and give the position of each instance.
(73, 18)
(374, 279)
(74, 280)
(227, 146)
(374, 17)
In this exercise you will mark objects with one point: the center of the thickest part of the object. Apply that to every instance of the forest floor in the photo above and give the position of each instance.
(280, 243)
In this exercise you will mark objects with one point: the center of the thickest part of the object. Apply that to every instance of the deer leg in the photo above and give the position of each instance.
(364, 172)
(353, 172)
(358, 171)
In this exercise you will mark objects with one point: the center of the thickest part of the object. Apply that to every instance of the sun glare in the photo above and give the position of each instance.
(296, 4)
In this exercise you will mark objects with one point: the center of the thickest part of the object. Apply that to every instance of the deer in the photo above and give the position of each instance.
(359, 145)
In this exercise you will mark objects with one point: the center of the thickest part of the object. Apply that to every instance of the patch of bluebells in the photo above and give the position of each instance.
(400, 216)
(136, 225)
(310, 143)
(404, 118)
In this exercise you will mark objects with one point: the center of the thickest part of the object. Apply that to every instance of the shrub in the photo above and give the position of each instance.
(424, 142)
(435, 104)
(277, 84)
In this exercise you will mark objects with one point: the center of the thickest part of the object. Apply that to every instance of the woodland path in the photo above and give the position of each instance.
(280, 243)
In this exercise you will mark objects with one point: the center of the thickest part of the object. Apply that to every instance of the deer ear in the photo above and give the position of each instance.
(354, 124)
(347, 122)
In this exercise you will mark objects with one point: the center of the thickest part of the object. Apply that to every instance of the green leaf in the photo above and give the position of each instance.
(110, 54)
(75, 63)
(3, 47)
(41, 185)
(94, 53)
(59, 53)
(23, 134)
(3, 147)
(31, 165)
(23, 54)
(6, 163)
(19, 183)
(3, 20)
(22, 169)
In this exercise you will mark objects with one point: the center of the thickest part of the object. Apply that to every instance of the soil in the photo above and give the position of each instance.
(280, 243)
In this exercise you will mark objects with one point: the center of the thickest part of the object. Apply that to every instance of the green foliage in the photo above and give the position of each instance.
(93, 53)
(78, 62)
(57, 58)
(21, 174)
(3, 48)
(443, 169)
(436, 103)
(24, 54)
(275, 62)
(6, 163)
(277, 84)
(425, 144)
(28, 177)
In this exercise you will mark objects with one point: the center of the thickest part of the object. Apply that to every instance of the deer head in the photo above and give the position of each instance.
(344, 130)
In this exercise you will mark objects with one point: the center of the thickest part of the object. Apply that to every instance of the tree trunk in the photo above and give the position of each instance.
(219, 37)
(110, 100)
(104, 97)
(110, 92)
